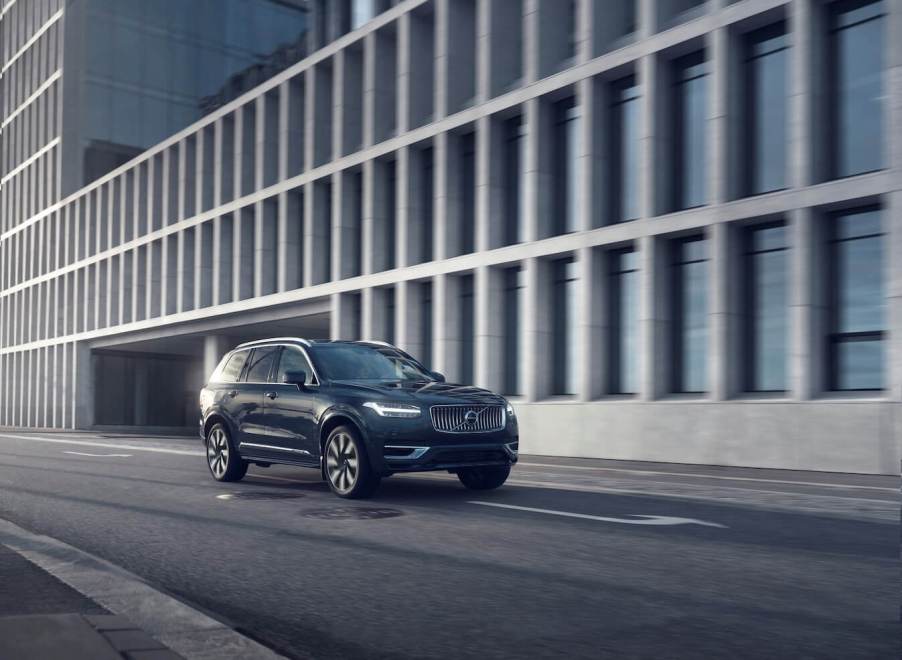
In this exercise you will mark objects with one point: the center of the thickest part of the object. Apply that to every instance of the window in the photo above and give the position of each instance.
(564, 335)
(390, 214)
(690, 315)
(856, 74)
(624, 315)
(766, 91)
(857, 305)
(513, 286)
(467, 193)
(514, 159)
(260, 364)
(426, 202)
(231, 372)
(691, 118)
(426, 324)
(565, 183)
(624, 133)
(467, 330)
(766, 323)
(292, 359)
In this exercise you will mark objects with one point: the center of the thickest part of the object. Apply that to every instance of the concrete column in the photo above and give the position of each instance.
(446, 326)
(654, 180)
(724, 366)
(893, 269)
(719, 120)
(215, 347)
(537, 330)
(653, 319)
(344, 321)
(807, 297)
(808, 147)
(83, 389)
(489, 299)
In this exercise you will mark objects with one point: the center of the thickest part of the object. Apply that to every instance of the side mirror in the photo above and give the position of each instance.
(438, 376)
(298, 378)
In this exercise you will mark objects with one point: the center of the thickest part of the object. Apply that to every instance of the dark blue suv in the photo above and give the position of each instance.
(357, 411)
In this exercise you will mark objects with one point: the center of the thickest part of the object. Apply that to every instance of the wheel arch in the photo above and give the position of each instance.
(329, 422)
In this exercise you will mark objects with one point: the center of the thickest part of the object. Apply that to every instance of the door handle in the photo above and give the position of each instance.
(232, 393)
(272, 395)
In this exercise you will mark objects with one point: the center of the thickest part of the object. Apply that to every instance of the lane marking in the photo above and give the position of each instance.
(82, 453)
(708, 476)
(637, 519)
(105, 445)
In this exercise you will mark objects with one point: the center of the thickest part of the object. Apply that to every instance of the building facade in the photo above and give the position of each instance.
(668, 230)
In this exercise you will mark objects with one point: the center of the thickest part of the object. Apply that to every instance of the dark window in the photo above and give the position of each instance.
(231, 372)
(390, 213)
(390, 315)
(513, 287)
(766, 93)
(564, 339)
(565, 183)
(426, 323)
(690, 315)
(514, 145)
(766, 326)
(857, 307)
(624, 315)
(357, 242)
(625, 150)
(292, 359)
(260, 365)
(691, 120)
(856, 62)
(467, 330)
(467, 193)
(426, 203)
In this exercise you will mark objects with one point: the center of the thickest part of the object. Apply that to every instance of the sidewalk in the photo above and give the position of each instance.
(41, 618)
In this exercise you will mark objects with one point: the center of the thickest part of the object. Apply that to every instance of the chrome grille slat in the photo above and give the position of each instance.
(452, 418)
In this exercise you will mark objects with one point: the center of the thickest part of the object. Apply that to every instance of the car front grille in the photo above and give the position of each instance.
(467, 419)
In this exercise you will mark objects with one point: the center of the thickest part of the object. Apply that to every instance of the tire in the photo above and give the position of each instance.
(222, 459)
(347, 468)
(484, 478)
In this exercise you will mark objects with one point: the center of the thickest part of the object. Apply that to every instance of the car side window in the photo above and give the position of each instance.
(260, 365)
(293, 360)
(231, 372)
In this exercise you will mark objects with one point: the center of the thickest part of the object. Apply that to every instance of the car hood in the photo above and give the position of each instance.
(424, 392)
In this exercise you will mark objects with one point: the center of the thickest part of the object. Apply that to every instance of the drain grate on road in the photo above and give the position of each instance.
(352, 513)
(259, 495)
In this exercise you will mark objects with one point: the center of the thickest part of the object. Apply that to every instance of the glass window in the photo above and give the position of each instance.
(467, 330)
(513, 287)
(858, 302)
(691, 119)
(467, 193)
(625, 147)
(292, 359)
(260, 365)
(426, 323)
(426, 202)
(347, 361)
(565, 332)
(767, 69)
(856, 59)
(766, 327)
(565, 185)
(690, 315)
(231, 372)
(624, 315)
(390, 213)
(514, 159)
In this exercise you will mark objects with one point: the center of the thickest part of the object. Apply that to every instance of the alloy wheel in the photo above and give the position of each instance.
(218, 453)
(342, 463)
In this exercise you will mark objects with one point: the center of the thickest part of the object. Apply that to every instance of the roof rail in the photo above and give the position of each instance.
(299, 340)
(378, 342)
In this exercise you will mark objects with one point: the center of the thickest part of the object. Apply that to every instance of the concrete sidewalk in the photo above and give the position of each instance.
(42, 618)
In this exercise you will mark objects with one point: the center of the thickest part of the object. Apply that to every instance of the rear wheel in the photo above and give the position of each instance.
(224, 462)
(347, 469)
(484, 478)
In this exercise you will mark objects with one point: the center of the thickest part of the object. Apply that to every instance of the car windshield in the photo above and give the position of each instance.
(359, 362)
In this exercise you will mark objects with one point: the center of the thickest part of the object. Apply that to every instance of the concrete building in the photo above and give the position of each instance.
(667, 230)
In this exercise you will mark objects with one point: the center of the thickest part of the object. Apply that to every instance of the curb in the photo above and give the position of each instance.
(187, 631)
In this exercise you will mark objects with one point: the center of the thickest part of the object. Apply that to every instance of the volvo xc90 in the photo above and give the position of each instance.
(356, 411)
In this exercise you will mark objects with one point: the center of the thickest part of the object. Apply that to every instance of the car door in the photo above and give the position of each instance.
(291, 410)
(247, 402)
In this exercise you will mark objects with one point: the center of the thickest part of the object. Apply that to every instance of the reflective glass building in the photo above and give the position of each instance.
(669, 230)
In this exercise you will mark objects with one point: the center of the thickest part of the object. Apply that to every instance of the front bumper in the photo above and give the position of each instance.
(451, 457)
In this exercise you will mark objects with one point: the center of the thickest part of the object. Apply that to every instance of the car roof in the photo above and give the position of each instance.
(308, 342)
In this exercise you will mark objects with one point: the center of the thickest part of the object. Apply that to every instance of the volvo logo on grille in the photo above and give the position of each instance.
(471, 417)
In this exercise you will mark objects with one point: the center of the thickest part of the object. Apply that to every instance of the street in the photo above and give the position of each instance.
(572, 558)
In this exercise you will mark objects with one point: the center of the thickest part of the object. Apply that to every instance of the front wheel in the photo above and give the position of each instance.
(484, 478)
(347, 468)
(224, 462)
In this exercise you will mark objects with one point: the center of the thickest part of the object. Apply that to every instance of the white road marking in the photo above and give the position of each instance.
(81, 453)
(707, 476)
(636, 520)
(225, 496)
(105, 445)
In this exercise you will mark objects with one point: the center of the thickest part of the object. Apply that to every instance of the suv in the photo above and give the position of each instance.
(357, 411)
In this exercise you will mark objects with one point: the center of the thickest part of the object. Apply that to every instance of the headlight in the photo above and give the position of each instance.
(393, 409)
(510, 410)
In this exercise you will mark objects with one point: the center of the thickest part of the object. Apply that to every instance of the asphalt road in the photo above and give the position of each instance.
(769, 565)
